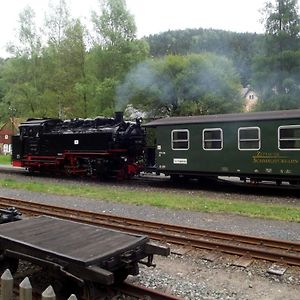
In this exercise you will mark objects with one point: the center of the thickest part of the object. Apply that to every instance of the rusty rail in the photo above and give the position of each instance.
(141, 292)
(257, 247)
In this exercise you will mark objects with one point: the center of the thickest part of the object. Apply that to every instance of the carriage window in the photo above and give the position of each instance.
(289, 137)
(212, 139)
(180, 139)
(249, 138)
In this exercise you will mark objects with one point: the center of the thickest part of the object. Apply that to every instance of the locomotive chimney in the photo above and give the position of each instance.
(119, 116)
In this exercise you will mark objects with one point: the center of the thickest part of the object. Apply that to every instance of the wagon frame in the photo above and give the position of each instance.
(80, 252)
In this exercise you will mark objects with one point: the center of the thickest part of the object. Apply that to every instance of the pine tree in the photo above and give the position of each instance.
(277, 71)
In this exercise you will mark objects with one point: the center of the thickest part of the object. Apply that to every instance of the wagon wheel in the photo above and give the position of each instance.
(8, 263)
(120, 276)
(89, 291)
(66, 286)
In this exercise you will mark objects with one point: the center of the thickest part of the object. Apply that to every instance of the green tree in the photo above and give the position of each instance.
(72, 52)
(56, 23)
(183, 85)
(20, 92)
(276, 73)
(22, 73)
(29, 37)
(116, 52)
(115, 25)
(48, 81)
(65, 63)
(1, 79)
(233, 45)
(282, 25)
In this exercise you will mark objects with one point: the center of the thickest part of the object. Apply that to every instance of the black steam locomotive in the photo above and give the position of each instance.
(96, 147)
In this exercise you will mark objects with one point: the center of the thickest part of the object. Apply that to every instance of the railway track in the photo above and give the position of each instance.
(287, 252)
(144, 293)
(128, 289)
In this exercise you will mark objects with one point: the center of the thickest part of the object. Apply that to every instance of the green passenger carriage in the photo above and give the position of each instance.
(258, 146)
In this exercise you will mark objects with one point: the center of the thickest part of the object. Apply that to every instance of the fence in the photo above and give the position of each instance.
(25, 289)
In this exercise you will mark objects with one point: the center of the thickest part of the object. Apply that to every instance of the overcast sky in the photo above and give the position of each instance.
(151, 16)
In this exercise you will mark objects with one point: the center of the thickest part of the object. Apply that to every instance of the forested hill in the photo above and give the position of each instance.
(241, 48)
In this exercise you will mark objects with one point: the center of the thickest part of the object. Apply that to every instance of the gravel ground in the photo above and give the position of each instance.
(188, 275)
(191, 277)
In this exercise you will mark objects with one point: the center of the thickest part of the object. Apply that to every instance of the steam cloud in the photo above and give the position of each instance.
(208, 79)
(144, 79)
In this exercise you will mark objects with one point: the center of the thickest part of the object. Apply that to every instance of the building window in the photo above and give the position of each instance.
(249, 138)
(180, 139)
(212, 139)
(289, 137)
(6, 136)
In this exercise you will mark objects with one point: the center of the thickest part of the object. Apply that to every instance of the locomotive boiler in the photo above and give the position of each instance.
(107, 147)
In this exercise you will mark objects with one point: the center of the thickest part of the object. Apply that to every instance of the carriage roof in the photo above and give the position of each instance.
(255, 116)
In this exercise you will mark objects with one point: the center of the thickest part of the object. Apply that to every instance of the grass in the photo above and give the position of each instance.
(5, 159)
(166, 199)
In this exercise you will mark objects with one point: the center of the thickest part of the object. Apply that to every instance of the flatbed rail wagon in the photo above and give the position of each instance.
(79, 251)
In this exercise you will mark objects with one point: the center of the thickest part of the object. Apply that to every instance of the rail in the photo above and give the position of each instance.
(140, 292)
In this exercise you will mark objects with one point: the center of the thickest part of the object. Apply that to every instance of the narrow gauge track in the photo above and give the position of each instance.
(282, 251)
(144, 293)
(128, 289)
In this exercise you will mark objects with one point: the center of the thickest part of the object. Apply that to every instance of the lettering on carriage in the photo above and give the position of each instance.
(272, 158)
(180, 161)
(286, 171)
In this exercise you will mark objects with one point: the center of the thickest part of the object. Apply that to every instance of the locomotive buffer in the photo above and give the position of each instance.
(80, 251)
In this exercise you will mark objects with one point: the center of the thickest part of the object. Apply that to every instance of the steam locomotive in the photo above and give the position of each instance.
(95, 147)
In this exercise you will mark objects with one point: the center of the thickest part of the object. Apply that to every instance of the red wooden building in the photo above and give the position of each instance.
(8, 129)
